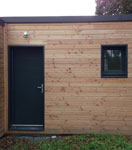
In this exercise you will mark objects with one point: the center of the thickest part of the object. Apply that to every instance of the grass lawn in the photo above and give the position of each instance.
(78, 142)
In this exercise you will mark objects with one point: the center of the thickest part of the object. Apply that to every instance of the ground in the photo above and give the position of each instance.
(74, 142)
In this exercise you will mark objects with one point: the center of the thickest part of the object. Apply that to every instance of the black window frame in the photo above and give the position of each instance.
(114, 73)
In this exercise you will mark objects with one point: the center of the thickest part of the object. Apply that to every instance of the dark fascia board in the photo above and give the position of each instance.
(68, 19)
(2, 22)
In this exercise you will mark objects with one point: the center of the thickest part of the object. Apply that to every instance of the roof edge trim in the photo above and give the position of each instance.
(67, 19)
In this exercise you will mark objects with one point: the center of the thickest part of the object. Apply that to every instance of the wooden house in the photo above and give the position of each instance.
(66, 75)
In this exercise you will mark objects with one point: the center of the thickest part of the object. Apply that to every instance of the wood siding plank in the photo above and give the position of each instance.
(2, 81)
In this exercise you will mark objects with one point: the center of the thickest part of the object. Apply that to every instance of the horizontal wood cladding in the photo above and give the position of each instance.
(77, 99)
(1, 81)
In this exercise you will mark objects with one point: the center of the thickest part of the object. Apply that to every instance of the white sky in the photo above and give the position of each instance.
(47, 7)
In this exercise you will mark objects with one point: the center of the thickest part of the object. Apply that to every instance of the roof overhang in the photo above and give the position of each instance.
(2, 22)
(66, 19)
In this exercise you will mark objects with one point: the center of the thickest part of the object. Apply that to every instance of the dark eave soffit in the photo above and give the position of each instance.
(66, 19)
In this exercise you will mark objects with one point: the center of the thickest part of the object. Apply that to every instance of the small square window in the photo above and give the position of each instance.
(114, 61)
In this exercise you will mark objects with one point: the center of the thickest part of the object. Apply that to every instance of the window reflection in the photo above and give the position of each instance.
(112, 60)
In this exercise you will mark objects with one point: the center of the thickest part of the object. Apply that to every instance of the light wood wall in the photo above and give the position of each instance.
(77, 99)
(1, 81)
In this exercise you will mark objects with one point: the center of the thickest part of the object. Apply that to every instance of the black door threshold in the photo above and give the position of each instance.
(27, 127)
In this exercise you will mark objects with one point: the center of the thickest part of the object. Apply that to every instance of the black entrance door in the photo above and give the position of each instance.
(26, 88)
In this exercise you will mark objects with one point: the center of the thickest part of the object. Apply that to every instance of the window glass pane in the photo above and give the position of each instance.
(112, 60)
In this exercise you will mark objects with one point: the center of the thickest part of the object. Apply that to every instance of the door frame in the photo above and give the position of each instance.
(22, 128)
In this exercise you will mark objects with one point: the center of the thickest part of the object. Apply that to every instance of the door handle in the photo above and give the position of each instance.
(41, 87)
